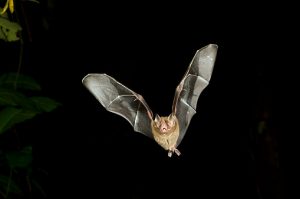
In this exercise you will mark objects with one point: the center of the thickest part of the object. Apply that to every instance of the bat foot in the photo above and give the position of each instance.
(170, 153)
(177, 152)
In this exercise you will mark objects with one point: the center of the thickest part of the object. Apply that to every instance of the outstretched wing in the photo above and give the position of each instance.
(118, 99)
(192, 84)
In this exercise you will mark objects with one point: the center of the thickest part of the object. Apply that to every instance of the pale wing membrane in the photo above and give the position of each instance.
(193, 83)
(120, 100)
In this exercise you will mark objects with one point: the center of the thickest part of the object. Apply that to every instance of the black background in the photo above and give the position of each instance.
(90, 152)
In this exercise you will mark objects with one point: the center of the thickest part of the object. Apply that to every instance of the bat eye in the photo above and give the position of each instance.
(170, 123)
(157, 124)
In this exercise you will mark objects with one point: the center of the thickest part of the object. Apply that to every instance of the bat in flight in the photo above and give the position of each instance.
(167, 131)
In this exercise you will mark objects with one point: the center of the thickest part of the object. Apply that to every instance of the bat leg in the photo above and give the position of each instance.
(170, 153)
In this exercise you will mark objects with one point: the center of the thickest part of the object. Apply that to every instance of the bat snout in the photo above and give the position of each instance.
(163, 127)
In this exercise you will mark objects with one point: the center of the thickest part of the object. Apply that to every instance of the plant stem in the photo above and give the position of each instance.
(8, 183)
(20, 62)
(21, 50)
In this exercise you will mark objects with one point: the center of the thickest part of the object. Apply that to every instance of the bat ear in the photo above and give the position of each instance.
(157, 118)
(171, 117)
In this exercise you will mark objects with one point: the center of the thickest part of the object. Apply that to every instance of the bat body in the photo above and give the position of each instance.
(167, 131)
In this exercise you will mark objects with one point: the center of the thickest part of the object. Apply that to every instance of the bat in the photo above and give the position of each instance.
(167, 131)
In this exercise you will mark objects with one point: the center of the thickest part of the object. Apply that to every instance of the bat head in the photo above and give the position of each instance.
(165, 124)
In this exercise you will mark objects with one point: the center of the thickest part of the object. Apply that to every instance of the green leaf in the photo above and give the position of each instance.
(23, 81)
(6, 116)
(23, 116)
(13, 187)
(20, 159)
(9, 31)
(10, 97)
(45, 104)
(10, 116)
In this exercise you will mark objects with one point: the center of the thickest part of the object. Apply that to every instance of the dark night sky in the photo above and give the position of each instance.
(149, 50)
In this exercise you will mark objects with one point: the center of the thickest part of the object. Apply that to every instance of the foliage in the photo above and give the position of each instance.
(16, 108)
(20, 101)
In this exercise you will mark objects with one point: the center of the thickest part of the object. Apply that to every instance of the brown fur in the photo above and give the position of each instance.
(166, 140)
